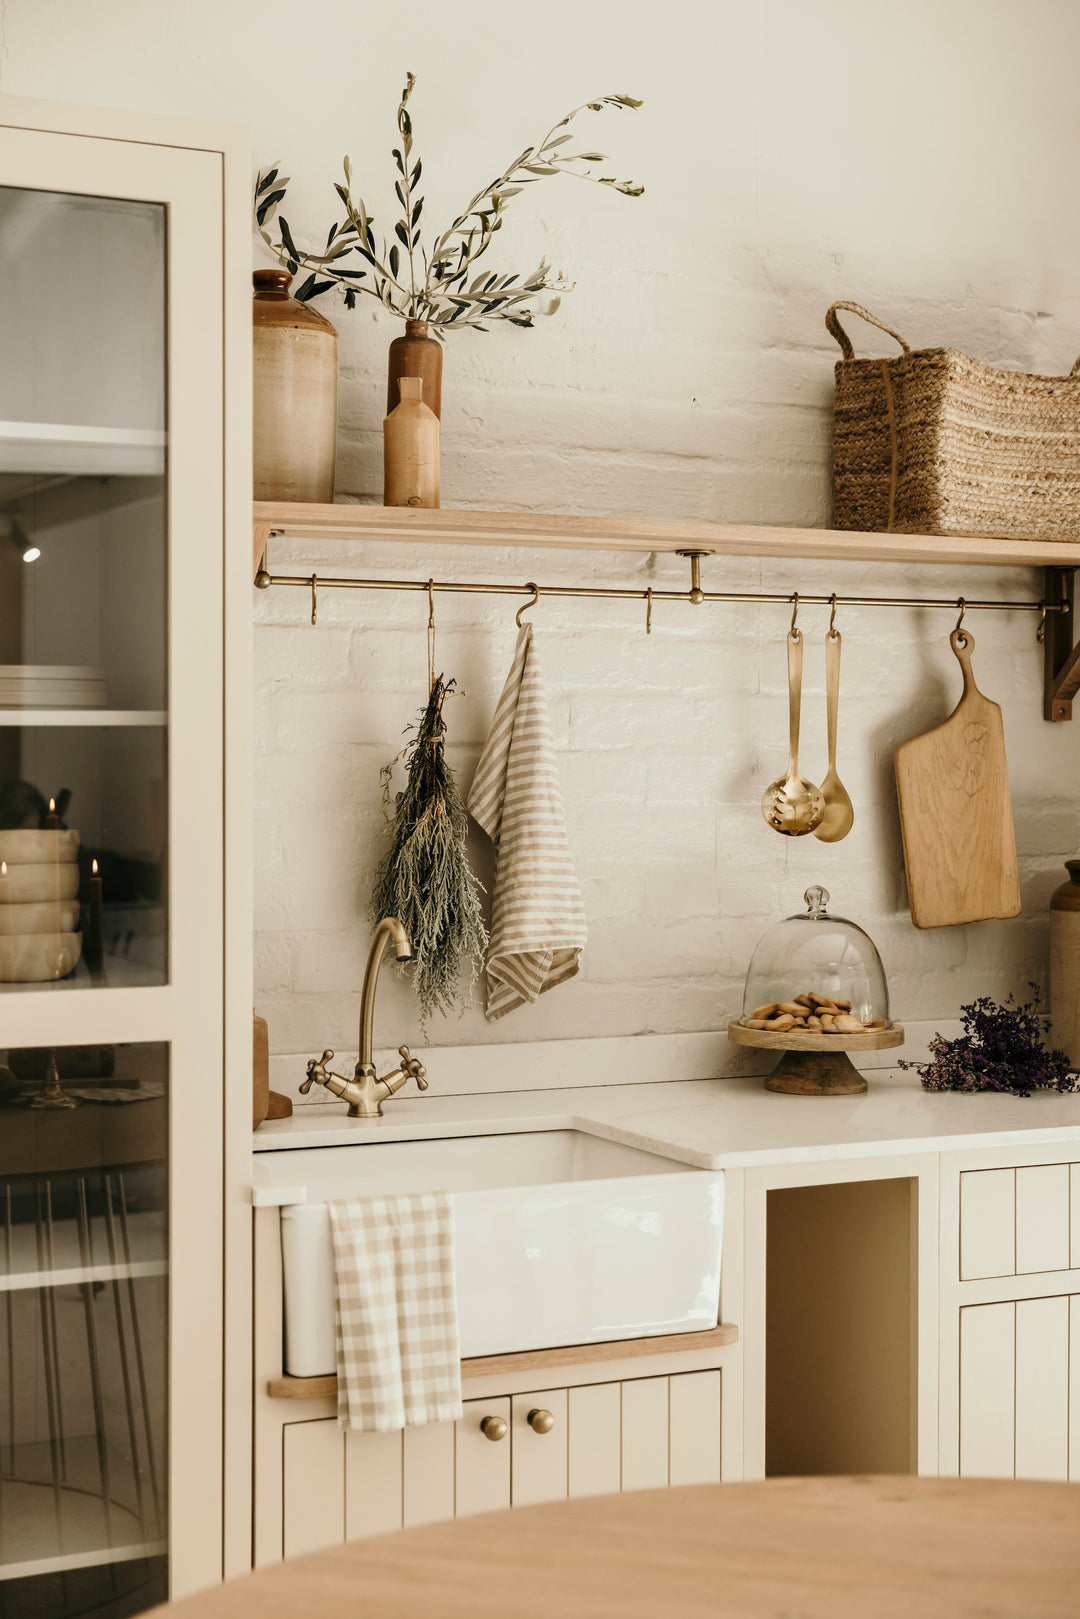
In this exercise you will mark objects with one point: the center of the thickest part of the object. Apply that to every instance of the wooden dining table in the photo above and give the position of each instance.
(793, 1548)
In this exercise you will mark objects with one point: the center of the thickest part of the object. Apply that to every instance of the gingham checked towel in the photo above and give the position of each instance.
(538, 919)
(398, 1355)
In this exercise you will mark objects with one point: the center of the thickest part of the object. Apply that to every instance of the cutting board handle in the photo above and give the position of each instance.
(963, 644)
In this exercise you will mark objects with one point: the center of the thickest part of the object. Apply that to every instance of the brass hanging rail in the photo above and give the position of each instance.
(315, 582)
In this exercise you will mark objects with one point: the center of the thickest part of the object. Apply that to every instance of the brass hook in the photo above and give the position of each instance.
(832, 615)
(524, 608)
(957, 630)
(648, 611)
(314, 598)
(794, 615)
(1040, 633)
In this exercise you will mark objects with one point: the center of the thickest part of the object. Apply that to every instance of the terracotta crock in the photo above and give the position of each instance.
(415, 355)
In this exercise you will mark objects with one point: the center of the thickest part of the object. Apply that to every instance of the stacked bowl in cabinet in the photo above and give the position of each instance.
(39, 905)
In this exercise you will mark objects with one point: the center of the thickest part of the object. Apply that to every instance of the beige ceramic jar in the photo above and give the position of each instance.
(411, 450)
(295, 404)
(1065, 965)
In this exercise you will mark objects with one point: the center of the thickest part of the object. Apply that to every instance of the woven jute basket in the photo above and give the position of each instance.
(933, 442)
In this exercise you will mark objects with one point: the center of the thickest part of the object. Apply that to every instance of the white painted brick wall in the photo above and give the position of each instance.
(918, 157)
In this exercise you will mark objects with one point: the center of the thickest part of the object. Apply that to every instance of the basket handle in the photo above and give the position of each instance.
(836, 330)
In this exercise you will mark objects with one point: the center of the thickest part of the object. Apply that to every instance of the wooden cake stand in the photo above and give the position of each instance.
(816, 1064)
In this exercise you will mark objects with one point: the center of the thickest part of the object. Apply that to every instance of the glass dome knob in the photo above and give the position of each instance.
(816, 900)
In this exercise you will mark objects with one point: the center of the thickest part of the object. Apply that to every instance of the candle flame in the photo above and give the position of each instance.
(3, 868)
(52, 806)
(93, 867)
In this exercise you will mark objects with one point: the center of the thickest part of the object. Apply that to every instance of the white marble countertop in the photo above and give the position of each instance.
(708, 1123)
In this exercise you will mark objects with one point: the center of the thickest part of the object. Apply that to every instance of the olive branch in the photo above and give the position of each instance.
(402, 275)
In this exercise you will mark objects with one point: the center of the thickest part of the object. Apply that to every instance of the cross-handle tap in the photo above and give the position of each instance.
(366, 1092)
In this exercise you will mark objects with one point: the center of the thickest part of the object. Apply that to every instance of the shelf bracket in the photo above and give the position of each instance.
(260, 537)
(1061, 680)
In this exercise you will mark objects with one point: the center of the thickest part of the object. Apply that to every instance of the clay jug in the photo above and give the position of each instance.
(1065, 965)
(415, 355)
(295, 401)
(411, 450)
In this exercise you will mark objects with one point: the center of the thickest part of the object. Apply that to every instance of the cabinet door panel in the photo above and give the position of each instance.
(1042, 1218)
(482, 1466)
(645, 1433)
(694, 1444)
(1042, 1388)
(1074, 1389)
(538, 1460)
(594, 1436)
(313, 1500)
(1074, 1216)
(427, 1484)
(987, 1390)
(373, 1468)
(987, 1223)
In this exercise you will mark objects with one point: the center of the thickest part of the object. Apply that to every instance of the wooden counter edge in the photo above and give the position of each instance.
(319, 1388)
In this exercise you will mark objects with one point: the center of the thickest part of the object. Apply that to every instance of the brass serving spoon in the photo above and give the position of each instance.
(839, 815)
(791, 805)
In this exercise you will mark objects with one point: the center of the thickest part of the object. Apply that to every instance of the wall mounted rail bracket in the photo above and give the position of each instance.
(697, 595)
(1062, 668)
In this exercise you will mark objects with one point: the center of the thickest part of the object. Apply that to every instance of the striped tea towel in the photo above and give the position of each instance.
(538, 919)
(398, 1355)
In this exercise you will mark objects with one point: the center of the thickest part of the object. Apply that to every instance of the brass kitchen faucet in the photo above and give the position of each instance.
(366, 1092)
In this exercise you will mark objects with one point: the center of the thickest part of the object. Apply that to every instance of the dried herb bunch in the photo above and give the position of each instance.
(1002, 1048)
(437, 286)
(425, 879)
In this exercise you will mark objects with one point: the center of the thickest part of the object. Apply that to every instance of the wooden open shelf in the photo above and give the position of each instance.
(320, 1388)
(542, 531)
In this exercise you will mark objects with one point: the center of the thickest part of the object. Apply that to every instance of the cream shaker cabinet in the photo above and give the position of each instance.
(1011, 1326)
(124, 356)
(544, 1445)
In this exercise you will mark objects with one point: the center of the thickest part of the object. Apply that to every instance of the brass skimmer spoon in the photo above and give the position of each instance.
(839, 815)
(791, 805)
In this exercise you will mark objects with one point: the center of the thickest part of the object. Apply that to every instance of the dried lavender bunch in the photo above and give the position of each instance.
(1002, 1049)
(425, 879)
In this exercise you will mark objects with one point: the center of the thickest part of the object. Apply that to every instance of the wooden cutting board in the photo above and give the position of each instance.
(955, 814)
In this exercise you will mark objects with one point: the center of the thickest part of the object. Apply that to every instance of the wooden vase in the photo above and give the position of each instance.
(415, 355)
(411, 450)
(1065, 965)
(295, 400)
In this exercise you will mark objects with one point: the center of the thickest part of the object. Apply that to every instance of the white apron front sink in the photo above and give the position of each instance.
(560, 1238)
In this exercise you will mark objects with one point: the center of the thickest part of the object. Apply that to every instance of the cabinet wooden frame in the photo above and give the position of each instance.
(200, 172)
(922, 1168)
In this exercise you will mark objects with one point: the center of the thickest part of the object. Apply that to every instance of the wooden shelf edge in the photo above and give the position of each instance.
(320, 1388)
(547, 531)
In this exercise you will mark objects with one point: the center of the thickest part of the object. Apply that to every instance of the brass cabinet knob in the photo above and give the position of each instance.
(541, 1421)
(493, 1428)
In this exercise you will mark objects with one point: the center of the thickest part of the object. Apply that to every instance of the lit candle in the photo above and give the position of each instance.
(52, 820)
(94, 949)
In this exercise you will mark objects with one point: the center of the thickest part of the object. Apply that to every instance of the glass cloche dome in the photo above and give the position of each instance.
(816, 958)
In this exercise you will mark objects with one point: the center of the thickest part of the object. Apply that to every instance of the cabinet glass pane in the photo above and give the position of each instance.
(83, 1323)
(83, 591)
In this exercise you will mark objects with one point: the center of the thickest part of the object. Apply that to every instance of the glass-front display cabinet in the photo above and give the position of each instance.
(112, 517)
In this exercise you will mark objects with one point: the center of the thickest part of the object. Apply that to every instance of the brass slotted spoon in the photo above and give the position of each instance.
(791, 805)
